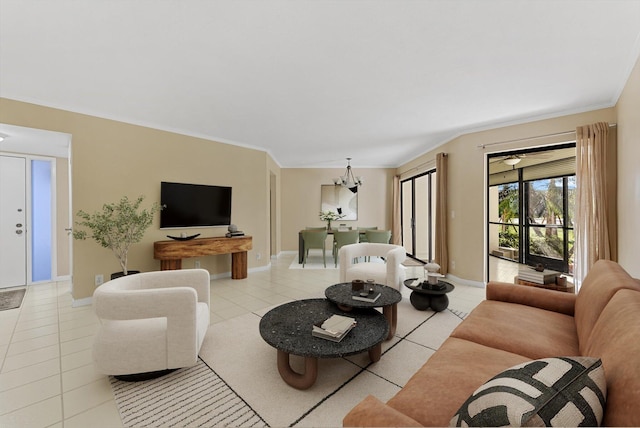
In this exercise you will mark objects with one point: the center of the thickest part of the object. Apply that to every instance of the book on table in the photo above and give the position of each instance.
(371, 298)
(544, 277)
(335, 328)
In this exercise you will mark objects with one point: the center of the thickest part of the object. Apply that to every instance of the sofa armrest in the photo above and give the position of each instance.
(542, 298)
(373, 412)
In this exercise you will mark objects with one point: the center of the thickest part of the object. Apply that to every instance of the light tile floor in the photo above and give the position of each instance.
(47, 378)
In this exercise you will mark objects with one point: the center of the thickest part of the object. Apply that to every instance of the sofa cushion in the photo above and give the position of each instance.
(373, 412)
(532, 332)
(604, 279)
(562, 391)
(616, 340)
(436, 391)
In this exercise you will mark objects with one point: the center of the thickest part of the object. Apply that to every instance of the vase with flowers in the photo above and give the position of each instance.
(329, 216)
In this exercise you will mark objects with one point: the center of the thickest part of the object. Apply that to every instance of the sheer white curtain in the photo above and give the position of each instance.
(595, 199)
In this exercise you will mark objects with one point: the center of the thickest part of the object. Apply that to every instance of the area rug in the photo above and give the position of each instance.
(237, 383)
(194, 396)
(11, 299)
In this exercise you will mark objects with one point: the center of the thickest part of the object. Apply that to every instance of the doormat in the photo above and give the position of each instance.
(11, 299)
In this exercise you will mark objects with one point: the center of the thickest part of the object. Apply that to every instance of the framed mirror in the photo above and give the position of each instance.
(340, 200)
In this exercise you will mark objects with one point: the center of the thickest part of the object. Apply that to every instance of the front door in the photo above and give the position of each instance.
(13, 231)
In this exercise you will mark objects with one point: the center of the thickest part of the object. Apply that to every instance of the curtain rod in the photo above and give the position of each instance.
(557, 134)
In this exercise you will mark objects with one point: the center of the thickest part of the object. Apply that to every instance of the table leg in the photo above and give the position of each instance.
(298, 380)
(239, 265)
(390, 312)
(375, 353)
(175, 264)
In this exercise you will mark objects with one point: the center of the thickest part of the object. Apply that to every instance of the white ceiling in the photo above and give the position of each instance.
(314, 82)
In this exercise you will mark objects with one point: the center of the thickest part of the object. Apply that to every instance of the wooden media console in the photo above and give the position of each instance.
(170, 253)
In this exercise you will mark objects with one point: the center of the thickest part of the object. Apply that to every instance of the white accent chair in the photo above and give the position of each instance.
(390, 273)
(151, 322)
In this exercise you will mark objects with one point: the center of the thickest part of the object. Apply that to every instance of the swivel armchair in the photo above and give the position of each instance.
(390, 272)
(151, 323)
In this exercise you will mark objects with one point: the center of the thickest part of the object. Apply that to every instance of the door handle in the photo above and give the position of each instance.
(19, 225)
(18, 232)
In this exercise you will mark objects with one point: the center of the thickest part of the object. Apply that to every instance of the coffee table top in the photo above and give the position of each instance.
(421, 287)
(288, 329)
(341, 294)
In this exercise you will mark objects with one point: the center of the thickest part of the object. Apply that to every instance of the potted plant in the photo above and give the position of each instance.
(329, 216)
(117, 226)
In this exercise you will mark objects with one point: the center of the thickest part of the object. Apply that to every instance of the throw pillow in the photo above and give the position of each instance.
(562, 391)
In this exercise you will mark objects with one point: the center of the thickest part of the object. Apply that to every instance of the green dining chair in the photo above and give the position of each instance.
(314, 239)
(363, 232)
(378, 237)
(341, 238)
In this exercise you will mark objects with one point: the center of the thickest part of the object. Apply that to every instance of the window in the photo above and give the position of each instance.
(418, 215)
(549, 235)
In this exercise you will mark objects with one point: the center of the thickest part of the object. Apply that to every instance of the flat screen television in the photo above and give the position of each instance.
(194, 205)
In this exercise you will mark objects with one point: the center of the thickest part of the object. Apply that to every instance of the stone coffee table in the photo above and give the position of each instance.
(342, 295)
(288, 329)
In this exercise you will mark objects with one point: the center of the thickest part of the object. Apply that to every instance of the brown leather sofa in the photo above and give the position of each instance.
(517, 324)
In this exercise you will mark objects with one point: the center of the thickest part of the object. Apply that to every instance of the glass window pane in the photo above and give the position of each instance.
(571, 186)
(503, 240)
(545, 202)
(508, 207)
(422, 226)
(41, 221)
(571, 241)
(434, 185)
(546, 242)
(407, 207)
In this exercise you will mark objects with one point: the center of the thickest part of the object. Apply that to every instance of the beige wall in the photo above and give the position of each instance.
(112, 159)
(300, 189)
(628, 110)
(467, 185)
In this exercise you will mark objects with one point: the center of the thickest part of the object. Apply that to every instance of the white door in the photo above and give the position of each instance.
(13, 231)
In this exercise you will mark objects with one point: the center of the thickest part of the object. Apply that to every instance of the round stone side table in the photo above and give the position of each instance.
(424, 297)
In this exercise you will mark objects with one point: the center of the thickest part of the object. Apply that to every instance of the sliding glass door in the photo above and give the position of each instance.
(531, 199)
(418, 216)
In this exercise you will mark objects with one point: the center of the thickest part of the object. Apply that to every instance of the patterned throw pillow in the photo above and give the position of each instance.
(562, 391)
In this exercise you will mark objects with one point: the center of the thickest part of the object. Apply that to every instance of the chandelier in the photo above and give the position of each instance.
(348, 180)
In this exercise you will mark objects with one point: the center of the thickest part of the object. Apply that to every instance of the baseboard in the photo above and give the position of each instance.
(76, 303)
(466, 281)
